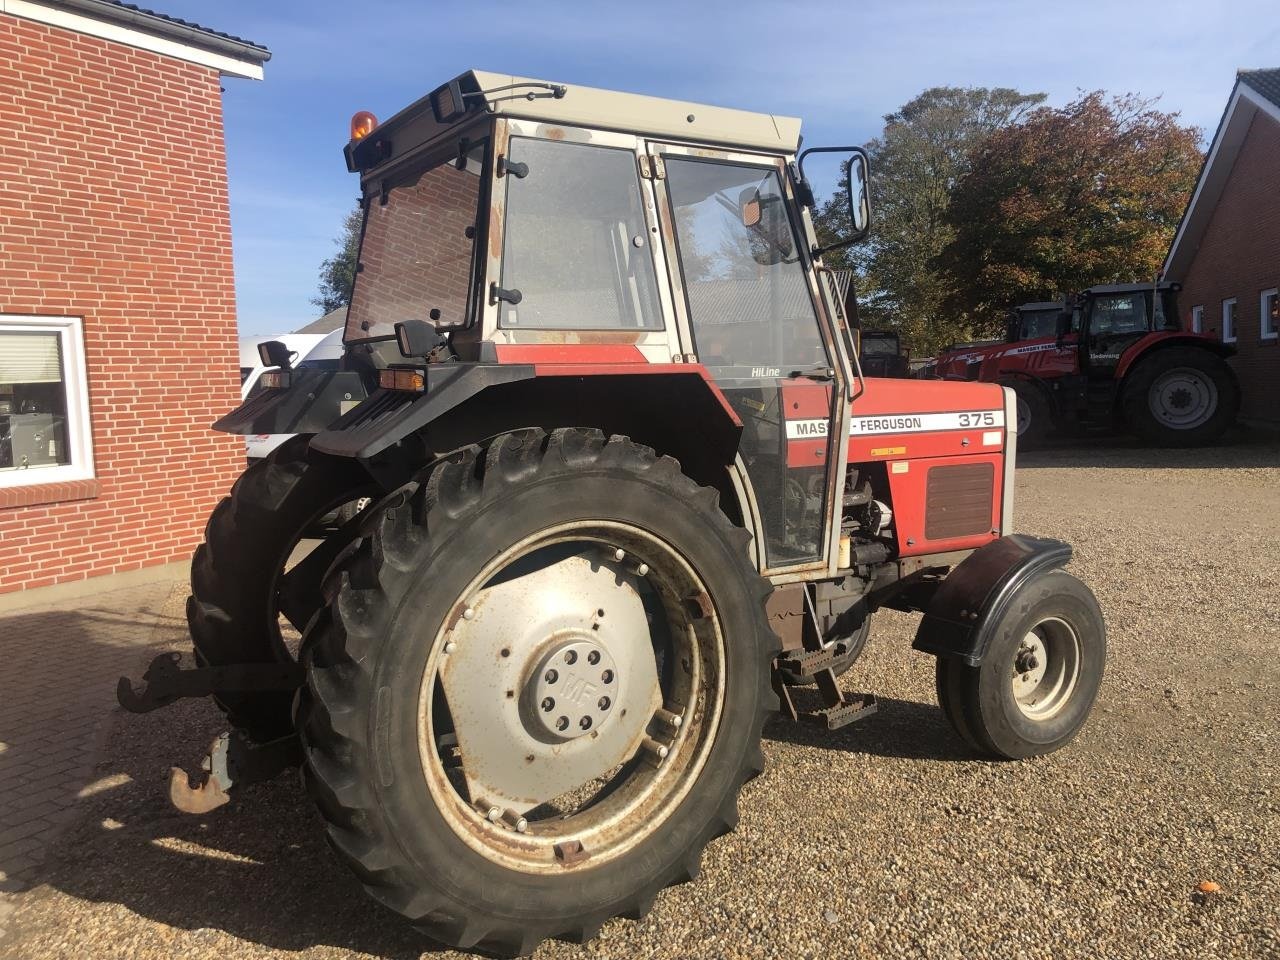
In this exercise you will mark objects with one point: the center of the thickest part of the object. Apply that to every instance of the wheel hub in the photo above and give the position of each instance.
(573, 689)
(549, 676)
(1183, 398)
(1045, 669)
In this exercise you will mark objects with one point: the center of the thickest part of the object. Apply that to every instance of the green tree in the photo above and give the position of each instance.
(922, 152)
(338, 272)
(1088, 193)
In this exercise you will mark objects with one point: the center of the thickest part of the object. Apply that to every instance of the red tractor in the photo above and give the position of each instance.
(1114, 356)
(628, 488)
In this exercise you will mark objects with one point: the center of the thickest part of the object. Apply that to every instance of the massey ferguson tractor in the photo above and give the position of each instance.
(628, 489)
(1113, 356)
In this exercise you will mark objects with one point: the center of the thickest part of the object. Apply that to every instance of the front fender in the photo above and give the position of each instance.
(971, 600)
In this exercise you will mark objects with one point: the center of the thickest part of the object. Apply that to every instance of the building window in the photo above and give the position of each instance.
(1269, 309)
(1229, 320)
(44, 405)
(1197, 319)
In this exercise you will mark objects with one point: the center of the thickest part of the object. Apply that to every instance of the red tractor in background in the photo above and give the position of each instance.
(1112, 356)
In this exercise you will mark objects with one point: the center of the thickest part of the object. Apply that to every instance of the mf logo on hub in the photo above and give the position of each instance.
(578, 690)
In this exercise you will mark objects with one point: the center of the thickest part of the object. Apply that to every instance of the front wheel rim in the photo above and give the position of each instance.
(1183, 398)
(1046, 669)
(497, 755)
(1024, 415)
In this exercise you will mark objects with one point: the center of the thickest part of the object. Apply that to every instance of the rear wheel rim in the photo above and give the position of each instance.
(1024, 415)
(666, 745)
(1046, 669)
(1183, 398)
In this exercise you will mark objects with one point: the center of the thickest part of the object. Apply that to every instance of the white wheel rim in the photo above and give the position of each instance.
(1183, 398)
(1045, 669)
(1024, 415)
(659, 760)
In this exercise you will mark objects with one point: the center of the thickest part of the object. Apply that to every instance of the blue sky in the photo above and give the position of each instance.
(839, 65)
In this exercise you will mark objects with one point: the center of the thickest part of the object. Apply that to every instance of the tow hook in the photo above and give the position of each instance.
(233, 760)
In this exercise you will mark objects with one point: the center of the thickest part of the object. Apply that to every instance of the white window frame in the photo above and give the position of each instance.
(1268, 326)
(75, 381)
(1228, 323)
(1197, 319)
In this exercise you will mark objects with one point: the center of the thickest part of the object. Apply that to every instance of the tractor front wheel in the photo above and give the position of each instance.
(538, 689)
(1034, 413)
(1039, 676)
(1181, 397)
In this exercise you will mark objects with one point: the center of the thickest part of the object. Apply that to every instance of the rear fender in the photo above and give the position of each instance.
(673, 408)
(964, 610)
(314, 399)
(1143, 348)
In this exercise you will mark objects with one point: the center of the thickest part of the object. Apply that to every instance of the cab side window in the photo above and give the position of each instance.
(1121, 313)
(576, 248)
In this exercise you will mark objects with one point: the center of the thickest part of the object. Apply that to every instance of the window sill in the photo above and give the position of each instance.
(41, 493)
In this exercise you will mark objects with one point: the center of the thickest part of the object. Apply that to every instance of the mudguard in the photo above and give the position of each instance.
(971, 600)
(314, 399)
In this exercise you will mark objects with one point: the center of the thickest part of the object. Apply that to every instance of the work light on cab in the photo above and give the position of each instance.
(362, 124)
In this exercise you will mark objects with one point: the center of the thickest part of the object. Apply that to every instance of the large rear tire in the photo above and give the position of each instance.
(1181, 397)
(233, 611)
(483, 603)
(1039, 676)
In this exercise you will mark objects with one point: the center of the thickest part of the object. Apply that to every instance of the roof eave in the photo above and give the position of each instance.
(182, 33)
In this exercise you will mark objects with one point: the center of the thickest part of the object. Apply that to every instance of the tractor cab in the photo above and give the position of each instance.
(1107, 320)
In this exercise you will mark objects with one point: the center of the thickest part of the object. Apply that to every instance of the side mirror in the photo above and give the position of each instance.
(857, 185)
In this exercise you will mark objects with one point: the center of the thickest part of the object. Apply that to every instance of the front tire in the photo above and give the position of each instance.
(1181, 397)
(1039, 676)
(1033, 409)
(445, 699)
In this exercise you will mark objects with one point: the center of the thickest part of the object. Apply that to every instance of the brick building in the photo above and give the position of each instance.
(1226, 252)
(117, 302)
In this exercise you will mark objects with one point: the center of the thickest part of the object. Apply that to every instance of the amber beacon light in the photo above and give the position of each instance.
(362, 124)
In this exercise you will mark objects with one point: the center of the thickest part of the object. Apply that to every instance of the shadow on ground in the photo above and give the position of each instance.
(903, 729)
(1241, 448)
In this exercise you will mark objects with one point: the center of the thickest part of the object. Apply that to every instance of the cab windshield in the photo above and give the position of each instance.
(417, 253)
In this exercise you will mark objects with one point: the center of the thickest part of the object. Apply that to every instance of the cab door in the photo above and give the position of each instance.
(748, 310)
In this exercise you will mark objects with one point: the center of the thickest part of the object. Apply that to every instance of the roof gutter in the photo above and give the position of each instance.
(178, 32)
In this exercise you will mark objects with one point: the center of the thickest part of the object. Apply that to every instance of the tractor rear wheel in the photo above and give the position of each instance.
(1181, 397)
(538, 690)
(1039, 676)
(241, 578)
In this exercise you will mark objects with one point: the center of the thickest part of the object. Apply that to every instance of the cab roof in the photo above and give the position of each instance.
(507, 95)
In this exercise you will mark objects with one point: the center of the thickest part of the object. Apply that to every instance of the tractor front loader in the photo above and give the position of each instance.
(627, 487)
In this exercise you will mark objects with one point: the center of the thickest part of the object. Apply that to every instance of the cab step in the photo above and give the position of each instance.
(838, 708)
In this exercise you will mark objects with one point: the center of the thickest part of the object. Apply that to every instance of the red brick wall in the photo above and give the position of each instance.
(113, 207)
(1239, 257)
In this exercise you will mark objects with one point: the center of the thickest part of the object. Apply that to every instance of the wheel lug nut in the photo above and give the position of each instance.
(562, 723)
(585, 723)
(593, 657)
(571, 656)
(607, 676)
(548, 704)
(619, 554)
(603, 703)
(551, 676)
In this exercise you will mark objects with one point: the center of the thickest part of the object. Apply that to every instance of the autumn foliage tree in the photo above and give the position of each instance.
(1071, 197)
(923, 150)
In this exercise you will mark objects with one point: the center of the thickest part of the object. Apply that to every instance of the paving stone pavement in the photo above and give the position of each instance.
(57, 691)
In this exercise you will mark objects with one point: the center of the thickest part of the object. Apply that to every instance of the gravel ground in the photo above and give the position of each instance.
(884, 839)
